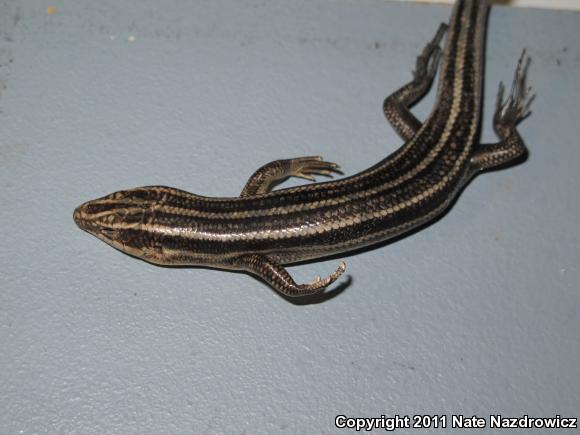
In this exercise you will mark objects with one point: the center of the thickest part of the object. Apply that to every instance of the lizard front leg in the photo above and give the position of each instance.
(302, 167)
(278, 277)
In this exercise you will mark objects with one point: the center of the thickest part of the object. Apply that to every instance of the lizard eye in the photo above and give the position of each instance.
(122, 194)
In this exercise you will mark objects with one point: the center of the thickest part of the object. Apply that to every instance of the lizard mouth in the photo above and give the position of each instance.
(87, 222)
(80, 217)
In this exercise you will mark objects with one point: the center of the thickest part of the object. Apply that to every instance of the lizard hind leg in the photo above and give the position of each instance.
(509, 113)
(516, 107)
(428, 60)
(396, 106)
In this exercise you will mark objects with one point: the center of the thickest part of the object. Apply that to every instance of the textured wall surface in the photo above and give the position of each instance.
(477, 314)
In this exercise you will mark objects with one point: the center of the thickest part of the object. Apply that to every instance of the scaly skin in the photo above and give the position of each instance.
(261, 230)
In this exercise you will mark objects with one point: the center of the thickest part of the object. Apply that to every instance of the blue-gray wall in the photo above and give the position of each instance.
(477, 314)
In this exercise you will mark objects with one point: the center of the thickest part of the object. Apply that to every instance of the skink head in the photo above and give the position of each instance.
(117, 219)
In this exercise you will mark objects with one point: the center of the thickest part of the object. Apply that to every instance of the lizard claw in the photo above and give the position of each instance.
(516, 106)
(318, 283)
(307, 167)
(426, 65)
